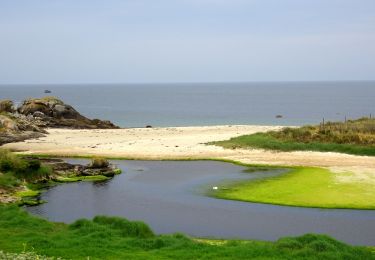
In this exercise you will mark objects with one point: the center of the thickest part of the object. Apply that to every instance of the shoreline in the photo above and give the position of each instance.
(179, 143)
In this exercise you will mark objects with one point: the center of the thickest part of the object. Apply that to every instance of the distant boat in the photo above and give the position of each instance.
(47, 91)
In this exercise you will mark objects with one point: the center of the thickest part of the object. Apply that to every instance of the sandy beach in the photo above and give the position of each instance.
(180, 143)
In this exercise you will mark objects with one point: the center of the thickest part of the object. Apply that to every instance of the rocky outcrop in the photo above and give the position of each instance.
(64, 169)
(34, 115)
(17, 129)
(54, 113)
(12, 137)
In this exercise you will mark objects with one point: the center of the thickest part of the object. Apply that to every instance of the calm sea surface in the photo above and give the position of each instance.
(137, 105)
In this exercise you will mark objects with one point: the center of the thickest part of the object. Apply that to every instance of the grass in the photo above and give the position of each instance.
(352, 137)
(303, 187)
(117, 238)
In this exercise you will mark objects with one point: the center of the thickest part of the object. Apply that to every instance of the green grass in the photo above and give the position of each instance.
(117, 238)
(304, 187)
(268, 141)
(352, 137)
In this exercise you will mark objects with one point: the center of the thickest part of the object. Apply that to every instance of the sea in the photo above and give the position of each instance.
(200, 104)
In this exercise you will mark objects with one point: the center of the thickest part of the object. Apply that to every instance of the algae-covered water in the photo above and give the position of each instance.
(171, 197)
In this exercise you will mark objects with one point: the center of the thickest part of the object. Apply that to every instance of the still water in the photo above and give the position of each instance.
(170, 197)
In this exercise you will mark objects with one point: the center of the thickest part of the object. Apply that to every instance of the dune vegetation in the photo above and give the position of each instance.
(304, 187)
(117, 238)
(352, 137)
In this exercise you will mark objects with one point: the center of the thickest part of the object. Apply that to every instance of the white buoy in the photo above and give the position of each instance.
(215, 188)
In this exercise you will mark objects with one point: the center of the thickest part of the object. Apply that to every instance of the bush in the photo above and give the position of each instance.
(99, 162)
(11, 162)
(25, 170)
(34, 165)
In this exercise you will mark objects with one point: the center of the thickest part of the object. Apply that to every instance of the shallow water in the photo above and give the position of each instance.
(169, 196)
(192, 104)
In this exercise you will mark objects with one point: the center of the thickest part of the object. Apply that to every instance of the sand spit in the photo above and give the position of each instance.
(179, 143)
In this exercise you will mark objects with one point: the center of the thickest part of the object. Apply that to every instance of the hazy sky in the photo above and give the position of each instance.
(77, 41)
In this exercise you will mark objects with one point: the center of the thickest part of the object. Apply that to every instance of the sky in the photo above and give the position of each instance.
(136, 41)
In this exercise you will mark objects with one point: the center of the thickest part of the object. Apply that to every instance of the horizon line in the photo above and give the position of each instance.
(183, 82)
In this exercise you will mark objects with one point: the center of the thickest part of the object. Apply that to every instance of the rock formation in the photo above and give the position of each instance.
(54, 113)
(34, 115)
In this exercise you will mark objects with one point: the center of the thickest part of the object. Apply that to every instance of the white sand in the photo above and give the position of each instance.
(180, 143)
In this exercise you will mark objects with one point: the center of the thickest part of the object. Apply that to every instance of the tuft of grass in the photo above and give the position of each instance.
(99, 162)
(118, 238)
(303, 187)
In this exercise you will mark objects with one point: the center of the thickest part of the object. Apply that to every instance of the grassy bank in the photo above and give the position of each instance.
(305, 187)
(21, 181)
(117, 238)
(18, 178)
(352, 137)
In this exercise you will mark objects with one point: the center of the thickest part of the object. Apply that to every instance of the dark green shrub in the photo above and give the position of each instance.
(99, 162)
(34, 165)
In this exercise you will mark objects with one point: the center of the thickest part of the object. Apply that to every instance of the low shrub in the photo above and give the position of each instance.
(25, 170)
(99, 162)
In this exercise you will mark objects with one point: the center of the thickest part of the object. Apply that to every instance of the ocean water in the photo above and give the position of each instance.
(195, 104)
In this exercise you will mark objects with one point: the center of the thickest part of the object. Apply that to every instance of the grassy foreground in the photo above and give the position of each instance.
(305, 187)
(117, 238)
(352, 137)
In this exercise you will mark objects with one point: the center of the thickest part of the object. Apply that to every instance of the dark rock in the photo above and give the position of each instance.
(64, 169)
(148, 126)
(11, 137)
(39, 114)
